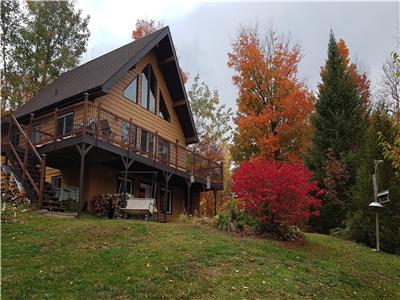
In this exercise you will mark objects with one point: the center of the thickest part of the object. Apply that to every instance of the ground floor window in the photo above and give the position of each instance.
(56, 184)
(168, 202)
(129, 185)
(145, 190)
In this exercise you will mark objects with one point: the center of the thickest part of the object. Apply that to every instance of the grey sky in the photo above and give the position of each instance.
(202, 33)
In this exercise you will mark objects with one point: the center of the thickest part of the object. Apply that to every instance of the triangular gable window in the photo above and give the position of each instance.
(163, 111)
(131, 91)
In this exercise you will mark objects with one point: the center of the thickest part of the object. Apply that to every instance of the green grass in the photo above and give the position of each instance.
(90, 258)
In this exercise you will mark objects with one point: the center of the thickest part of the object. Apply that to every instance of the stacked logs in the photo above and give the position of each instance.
(9, 190)
(107, 205)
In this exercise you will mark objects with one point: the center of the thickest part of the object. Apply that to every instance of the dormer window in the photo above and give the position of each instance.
(149, 84)
(131, 91)
(163, 110)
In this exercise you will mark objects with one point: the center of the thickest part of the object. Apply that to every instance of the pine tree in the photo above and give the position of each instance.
(339, 124)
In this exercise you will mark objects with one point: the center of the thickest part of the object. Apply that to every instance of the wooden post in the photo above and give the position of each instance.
(82, 151)
(176, 155)
(156, 148)
(42, 179)
(85, 108)
(167, 177)
(26, 150)
(188, 185)
(55, 125)
(98, 120)
(215, 202)
(129, 136)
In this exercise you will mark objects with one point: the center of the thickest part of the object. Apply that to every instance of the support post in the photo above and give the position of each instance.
(215, 202)
(83, 150)
(188, 186)
(42, 179)
(167, 177)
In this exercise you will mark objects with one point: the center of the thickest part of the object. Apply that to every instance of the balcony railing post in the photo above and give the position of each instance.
(9, 130)
(42, 179)
(98, 121)
(55, 124)
(156, 146)
(130, 135)
(176, 154)
(85, 107)
(26, 150)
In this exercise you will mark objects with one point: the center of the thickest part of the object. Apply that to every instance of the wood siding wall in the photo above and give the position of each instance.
(115, 102)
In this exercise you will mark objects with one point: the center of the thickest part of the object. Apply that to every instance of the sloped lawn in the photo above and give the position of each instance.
(90, 258)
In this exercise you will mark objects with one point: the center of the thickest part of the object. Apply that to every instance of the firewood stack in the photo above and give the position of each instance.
(9, 190)
(107, 205)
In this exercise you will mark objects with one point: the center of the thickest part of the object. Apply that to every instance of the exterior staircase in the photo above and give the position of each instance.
(29, 167)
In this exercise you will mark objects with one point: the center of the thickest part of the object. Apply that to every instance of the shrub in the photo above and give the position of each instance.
(276, 193)
(231, 218)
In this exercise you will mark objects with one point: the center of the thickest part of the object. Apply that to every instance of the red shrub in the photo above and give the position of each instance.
(276, 192)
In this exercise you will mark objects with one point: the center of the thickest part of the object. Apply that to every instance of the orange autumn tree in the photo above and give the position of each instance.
(145, 27)
(273, 104)
(361, 80)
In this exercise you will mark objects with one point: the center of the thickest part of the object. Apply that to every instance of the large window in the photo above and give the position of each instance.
(149, 84)
(35, 135)
(131, 91)
(147, 142)
(65, 123)
(167, 205)
(129, 185)
(163, 149)
(163, 110)
(56, 181)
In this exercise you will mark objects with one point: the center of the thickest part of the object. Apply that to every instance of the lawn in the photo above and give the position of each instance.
(91, 258)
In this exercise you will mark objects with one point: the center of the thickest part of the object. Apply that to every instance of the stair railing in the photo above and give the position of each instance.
(28, 146)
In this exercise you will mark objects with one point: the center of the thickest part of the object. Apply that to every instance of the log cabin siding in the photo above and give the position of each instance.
(116, 103)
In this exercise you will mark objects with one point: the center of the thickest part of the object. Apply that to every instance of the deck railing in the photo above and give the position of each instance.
(92, 119)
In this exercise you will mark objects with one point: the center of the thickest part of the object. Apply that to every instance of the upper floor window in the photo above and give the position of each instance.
(131, 91)
(65, 123)
(149, 84)
(163, 110)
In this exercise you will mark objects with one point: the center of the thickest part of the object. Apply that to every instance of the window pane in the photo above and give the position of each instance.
(163, 109)
(60, 126)
(152, 90)
(143, 141)
(150, 148)
(130, 91)
(144, 89)
(152, 104)
(69, 121)
(145, 190)
(35, 136)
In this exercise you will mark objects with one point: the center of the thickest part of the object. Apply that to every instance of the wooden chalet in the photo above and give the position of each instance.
(110, 125)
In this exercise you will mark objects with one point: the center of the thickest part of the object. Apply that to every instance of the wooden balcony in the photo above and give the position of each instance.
(89, 119)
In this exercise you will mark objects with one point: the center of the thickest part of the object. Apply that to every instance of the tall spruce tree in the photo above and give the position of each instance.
(339, 124)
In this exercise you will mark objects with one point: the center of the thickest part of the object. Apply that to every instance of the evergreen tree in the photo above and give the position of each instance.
(361, 221)
(339, 124)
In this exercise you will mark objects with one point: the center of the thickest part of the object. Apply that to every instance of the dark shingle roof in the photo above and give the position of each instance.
(86, 77)
(99, 74)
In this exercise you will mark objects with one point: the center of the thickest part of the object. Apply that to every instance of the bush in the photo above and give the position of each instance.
(232, 219)
(277, 194)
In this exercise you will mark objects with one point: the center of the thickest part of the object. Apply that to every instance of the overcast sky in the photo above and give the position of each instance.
(203, 32)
